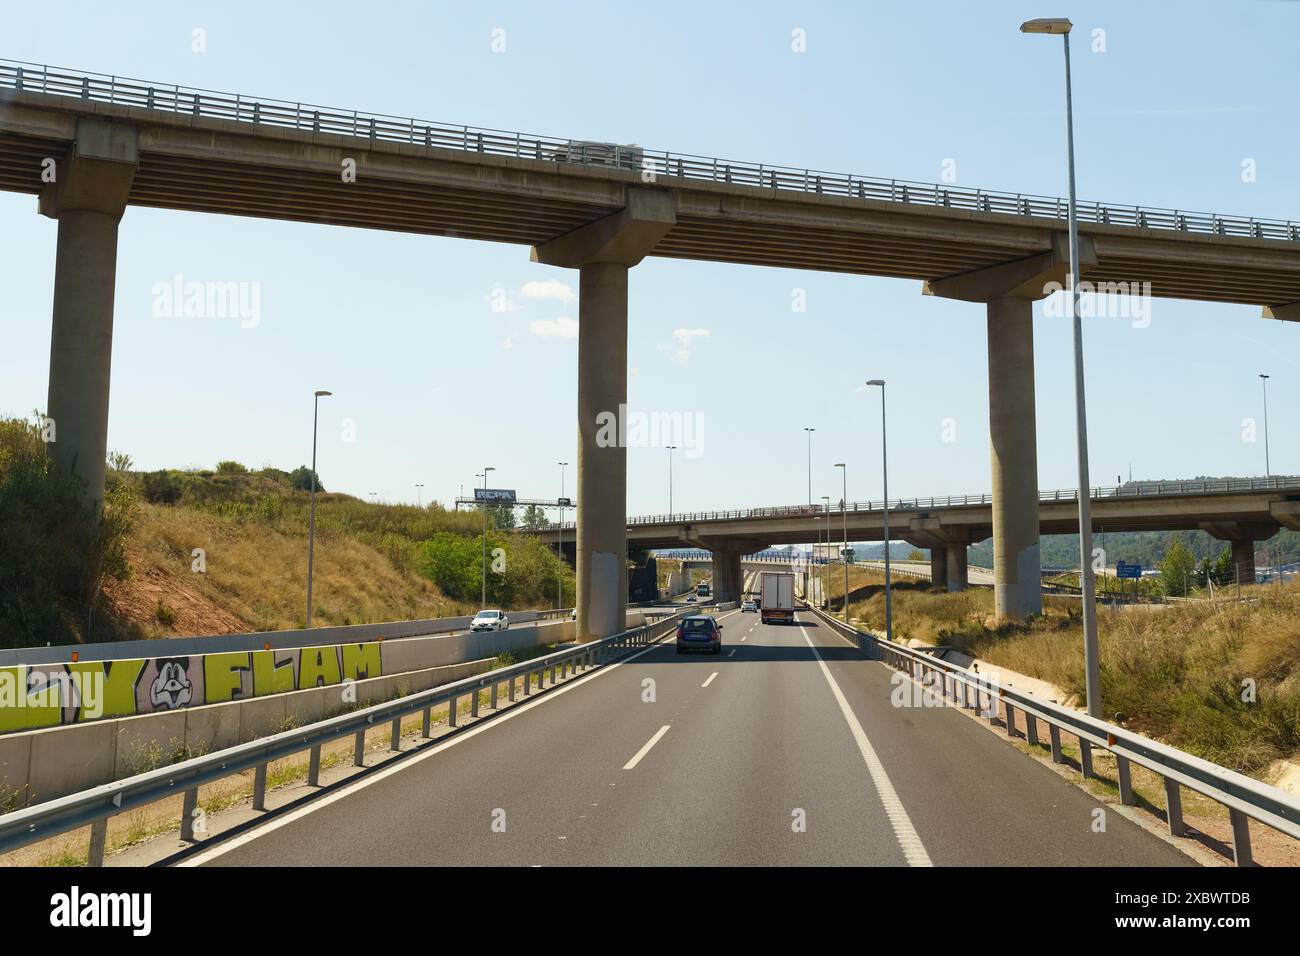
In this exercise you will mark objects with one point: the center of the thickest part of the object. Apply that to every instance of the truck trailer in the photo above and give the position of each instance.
(776, 597)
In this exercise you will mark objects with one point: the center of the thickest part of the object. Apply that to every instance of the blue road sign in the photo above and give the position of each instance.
(1125, 570)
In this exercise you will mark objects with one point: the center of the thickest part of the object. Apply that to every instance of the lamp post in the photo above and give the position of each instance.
(1092, 667)
(484, 476)
(810, 434)
(311, 525)
(559, 544)
(844, 555)
(671, 449)
(1268, 471)
(884, 473)
(419, 496)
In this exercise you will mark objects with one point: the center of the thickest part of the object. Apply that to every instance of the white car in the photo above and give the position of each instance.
(749, 605)
(489, 621)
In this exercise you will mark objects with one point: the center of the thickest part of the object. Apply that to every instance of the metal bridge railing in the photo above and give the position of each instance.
(174, 98)
(94, 807)
(950, 685)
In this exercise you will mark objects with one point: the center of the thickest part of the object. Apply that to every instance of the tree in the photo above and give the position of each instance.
(1176, 568)
(534, 518)
(503, 516)
(916, 555)
(301, 477)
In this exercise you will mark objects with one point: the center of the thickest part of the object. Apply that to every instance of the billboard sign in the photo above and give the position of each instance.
(499, 496)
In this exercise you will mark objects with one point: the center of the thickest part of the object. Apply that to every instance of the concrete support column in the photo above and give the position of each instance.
(957, 578)
(1243, 560)
(728, 577)
(87, 198)
(1013, 438)
(939, 566)
(601, 505)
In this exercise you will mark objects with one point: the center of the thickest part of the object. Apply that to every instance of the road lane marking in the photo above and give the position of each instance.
(416, 757)
(711, 676)
(631, 764)
(908, 839)
(733, 653)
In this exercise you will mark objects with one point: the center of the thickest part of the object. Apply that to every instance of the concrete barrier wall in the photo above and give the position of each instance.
(47, 764)
(38, 696)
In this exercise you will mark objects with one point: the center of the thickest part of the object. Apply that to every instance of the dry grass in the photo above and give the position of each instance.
(1182, 673)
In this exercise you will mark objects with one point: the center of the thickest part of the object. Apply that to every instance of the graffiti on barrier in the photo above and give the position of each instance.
(46, 695)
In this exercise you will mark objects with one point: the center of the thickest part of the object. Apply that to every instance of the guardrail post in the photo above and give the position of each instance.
(425, 720)
(188, 806)
(98, 839)
(313, 767)
(1173, 807)
(451, 712)
(473, 702)
(511, 695)
(528, 677)
(1240, 837)
(494, 695)
(1085, 758)
(1054, 733)
(1031, 729)
(395, 743)
(259, 787)
(1125, 774)
(1010, 713)
(552, 675)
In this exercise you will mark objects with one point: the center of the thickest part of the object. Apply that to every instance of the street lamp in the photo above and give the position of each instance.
(810, 431)
(671, 449)
(844, 555)
(884, 471)
(1268, 472)
(1092, 667)
(559, 544)
(311, 526)
(419, 496)
(484, 476)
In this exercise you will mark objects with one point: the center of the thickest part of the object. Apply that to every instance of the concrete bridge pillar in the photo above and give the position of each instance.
(728, 576)
(1243, 560)
(603, 251)
(1014, 442)
(1242, 535)
(87, 198)
(939, 566)
(957, 576)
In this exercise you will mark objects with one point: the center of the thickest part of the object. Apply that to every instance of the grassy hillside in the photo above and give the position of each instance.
(222, 550)
(1179, 673)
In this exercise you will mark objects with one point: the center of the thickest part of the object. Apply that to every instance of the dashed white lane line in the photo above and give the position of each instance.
(711, 676)
(733, 653)
(631, 764)
(415, 759)
(908, 839)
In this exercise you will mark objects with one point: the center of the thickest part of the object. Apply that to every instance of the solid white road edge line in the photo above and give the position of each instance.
(908, 839)
(474, 730)
(646, 749)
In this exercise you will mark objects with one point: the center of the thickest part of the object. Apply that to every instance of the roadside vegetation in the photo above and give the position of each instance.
(1219, 679)
(207, 551)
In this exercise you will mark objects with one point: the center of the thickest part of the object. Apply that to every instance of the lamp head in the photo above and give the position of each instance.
(321, 393)
(1053, 25)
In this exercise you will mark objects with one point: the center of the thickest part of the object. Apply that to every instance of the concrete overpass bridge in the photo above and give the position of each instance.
(1241, 512)
(600, 209)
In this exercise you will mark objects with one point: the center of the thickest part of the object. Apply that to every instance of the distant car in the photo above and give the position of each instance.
(699, 632)
(574, 615)
(749, 605)
(489, 621)
(691, 599)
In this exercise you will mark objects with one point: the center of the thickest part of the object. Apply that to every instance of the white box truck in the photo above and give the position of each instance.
(776, 597)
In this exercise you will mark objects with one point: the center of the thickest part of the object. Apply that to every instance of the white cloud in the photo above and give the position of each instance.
(551, 289)
(684, 340)
(509, 343)
(500, 301)
(564, 327)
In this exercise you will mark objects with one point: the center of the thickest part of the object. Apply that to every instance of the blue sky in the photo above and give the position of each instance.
(436, 383)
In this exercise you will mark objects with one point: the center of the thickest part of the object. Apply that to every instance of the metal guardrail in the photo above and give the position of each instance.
(94, 807)
(1243, 796)
(174, 98)
(1137, 489)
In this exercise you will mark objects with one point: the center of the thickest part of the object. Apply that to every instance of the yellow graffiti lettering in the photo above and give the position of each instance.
(20, 710)
(361, 661)
(105, 688)
(318, 666)
(223, 676)
(270, 677)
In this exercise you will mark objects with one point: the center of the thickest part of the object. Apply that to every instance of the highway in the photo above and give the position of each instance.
(789, 724)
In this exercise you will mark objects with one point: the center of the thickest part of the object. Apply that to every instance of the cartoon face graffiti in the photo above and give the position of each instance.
(171, 688)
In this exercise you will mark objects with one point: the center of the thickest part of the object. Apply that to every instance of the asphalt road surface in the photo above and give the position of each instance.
(783, 750)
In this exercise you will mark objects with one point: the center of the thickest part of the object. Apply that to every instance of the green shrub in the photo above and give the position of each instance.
(162, 488)
(231, 468)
